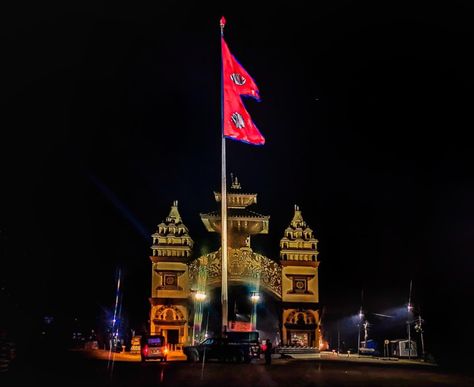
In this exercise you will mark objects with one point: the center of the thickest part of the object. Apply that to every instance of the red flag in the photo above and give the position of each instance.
(236, 83)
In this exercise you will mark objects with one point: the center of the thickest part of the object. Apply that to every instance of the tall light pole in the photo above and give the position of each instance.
(361, 315)
(255, 298)
(366, 325)
(419, 328)
(409, 308)
(117, 309)
(338, 339)
(199, 298)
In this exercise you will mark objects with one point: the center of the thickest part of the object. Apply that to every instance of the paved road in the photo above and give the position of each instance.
(73, 369)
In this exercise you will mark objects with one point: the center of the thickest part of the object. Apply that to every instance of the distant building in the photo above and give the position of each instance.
(403, 348)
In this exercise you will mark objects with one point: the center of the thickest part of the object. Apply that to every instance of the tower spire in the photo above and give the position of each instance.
(174, 216)
(235, 182)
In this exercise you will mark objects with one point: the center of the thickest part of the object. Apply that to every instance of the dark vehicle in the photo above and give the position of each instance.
(232, 348)
(252, 339)
(243, 337)
(153, 347)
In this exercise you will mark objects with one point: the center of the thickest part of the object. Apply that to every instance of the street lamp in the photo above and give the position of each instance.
(419, 329)
(366, 326)
(199, 298)
(255, 298)
(409, 316)
(361, 316)
(409, 312)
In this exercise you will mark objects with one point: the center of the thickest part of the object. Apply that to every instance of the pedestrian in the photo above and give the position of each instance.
(268, 352)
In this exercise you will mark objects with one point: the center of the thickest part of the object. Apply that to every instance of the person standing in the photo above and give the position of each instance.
(268, 352)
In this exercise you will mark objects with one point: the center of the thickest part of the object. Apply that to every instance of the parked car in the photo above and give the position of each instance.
(153, 347)
(222, 349)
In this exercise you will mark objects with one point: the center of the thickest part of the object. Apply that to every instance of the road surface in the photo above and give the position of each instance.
(75, 369)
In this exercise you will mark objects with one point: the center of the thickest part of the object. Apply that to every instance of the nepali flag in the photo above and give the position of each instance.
(236, 83)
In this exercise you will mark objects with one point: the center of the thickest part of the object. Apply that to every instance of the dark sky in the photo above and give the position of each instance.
(110, 112)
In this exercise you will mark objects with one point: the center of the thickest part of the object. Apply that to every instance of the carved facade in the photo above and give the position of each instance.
(300, 288)
(292, 280)
(171, 252)
(245, 266)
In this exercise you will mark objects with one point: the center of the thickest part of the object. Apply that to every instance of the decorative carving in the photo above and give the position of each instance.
(301, 317)
(169, 313)
(300, 283)
(244, 266)
(169, 279)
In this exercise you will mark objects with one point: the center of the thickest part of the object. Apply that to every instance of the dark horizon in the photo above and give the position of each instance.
(110, 113)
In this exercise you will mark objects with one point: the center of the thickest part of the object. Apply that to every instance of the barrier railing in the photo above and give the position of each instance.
(296, 349)
(175, 347)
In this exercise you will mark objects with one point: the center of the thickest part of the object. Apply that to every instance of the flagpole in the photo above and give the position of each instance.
(224, 296)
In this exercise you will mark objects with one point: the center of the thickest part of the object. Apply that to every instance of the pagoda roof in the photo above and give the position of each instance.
(298, 225)
(172, 223)
(236, 213)
(237, 199)
(239, 192)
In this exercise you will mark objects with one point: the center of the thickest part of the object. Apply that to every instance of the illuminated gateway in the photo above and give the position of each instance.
(180, 280)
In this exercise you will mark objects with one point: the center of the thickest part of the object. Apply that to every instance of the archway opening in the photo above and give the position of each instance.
(241, 310)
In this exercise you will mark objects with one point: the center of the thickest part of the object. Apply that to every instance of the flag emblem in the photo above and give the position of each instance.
(238, 120)
(238, 79)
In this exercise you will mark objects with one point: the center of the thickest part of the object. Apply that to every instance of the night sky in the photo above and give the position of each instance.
(110, 112)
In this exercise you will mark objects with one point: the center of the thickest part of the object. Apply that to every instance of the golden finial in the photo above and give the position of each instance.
(235, 182)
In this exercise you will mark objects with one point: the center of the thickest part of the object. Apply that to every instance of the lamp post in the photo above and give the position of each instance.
(199, 298)
(338, 340)
(361, 315)
(410, 309)
(419, 328)
(366, 326)
(255, 298)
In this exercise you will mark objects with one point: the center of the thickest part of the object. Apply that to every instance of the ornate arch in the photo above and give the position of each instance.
(169, 313)
(244, 266)
(301, 317)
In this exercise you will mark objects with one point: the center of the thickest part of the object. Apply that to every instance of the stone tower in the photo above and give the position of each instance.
(300, 297)
(171, 251)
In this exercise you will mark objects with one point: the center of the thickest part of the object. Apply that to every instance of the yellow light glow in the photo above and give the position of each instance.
(200, 296)
(255, 297)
